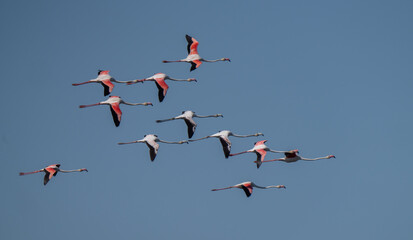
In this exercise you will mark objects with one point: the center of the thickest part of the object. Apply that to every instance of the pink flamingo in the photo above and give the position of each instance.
(224, 139)
(103, 78)
(159, 80)
(193, 56)
(292, 156)
(151, 141)
(188, 116)
(247, 187)
(114, 102)
(261, 150)
(51, 171)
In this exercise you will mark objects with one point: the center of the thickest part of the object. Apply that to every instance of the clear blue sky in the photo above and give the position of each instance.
(326, 77)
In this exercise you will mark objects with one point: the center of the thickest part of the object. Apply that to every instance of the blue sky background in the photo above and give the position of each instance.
(326, 77)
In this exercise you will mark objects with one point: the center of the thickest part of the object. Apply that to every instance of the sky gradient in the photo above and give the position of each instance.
(325, 77)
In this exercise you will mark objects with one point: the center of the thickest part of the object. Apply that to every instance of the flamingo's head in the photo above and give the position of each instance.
(191, 79)
(259, 134)
(331, 156)
(83, 169)
(147, 103)
(281, 186)
(226, 59)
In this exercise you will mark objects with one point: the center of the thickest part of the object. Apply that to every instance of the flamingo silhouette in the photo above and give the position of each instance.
(261, 150)
(103, 78)
(151, 141)
(114, 102)
(51, 171)
(292, 156)
(224, 139)
(193, 57)
(188, 116)
(159, 80)
(248, 186)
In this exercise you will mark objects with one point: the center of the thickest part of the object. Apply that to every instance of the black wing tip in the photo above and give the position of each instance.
(115, 117)
(247, 192)
(190, 134)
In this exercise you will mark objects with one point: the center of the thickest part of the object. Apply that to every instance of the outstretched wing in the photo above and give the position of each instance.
(162, 88)
(260, 156)
(248, 191)
(50, 172)
(195, 64)
(290, 154)
(191, 127)
(153, 149)
(226, 146)
(108, 86)
(192, 45)
(116, 113)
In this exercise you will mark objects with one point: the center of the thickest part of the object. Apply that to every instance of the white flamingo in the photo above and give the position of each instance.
(261, 150)
(188, 116)
(248, 186)
(193, 57)
(151, 141)
(223, 137)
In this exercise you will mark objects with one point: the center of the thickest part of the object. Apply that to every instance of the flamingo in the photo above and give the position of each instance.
(103, 78)
(151, 141)
(159, 80)
(51, 171)
(187, 117)
(261, 150)
(223, 138)
(113, 102)
(193, 57)
(248, 186)
(292, 156)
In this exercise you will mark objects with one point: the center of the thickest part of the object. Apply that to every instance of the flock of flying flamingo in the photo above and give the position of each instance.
(152, 140)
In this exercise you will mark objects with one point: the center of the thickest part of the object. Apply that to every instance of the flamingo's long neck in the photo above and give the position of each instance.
(216, 115)
(243, 136)
(312, 159)
(216, 60)
(181, 80)
(180, 142)
(272, 160)
(275, 151)
(135, 104)
(67, 171)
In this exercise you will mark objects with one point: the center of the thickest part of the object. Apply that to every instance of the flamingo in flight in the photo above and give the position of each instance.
(51, 171)
(103, 78)
(113, 102)
(151, 141)
(261, 150)
(159, 80)
(188, 116)
(248, 186)
(193, 57)
(224, 139)
(292, 156)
